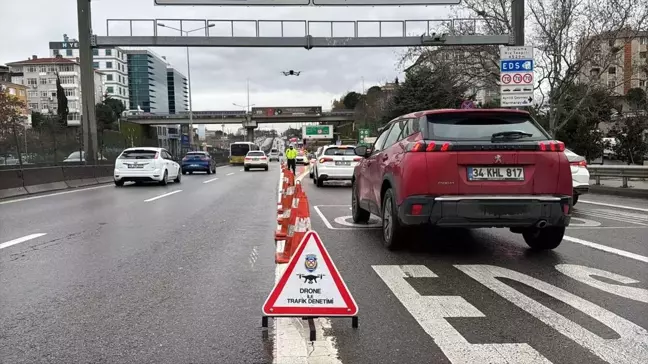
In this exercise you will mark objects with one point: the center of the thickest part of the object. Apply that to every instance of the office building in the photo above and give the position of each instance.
(147, 82)
(178, 91)
(112, 62)
(39, 76)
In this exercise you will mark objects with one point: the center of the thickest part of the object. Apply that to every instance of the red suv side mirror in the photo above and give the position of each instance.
(362, 151)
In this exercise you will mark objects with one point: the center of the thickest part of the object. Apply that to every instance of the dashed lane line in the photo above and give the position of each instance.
(210, 180)
(21, 240)
(229, 174)
(162, 196)
(54, 194)
(613, 205)
(608, 249)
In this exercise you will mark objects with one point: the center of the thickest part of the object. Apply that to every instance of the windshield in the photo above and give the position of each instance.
(256, 154)
(239, 149)
(138, 154)
(483, 126)
(339, 151)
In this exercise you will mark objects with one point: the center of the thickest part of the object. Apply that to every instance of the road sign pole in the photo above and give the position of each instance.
(517, 21)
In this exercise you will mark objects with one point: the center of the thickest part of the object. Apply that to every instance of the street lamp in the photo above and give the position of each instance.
(186, 33)
(247, 108)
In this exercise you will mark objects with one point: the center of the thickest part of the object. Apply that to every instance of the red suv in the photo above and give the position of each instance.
(469, 168)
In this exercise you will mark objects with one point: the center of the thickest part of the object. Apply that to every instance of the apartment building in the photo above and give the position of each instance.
(39, 76)
(112, 62)
(4, 74)
(617, 60)
(147, 82)
(178, 91)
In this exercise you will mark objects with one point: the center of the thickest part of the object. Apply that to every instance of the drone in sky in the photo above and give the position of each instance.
(291, 73)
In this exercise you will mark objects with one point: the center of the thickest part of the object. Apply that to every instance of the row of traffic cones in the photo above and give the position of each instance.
(293, 216)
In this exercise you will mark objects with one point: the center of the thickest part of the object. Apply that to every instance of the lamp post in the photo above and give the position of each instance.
(186, 33)
(248, 106)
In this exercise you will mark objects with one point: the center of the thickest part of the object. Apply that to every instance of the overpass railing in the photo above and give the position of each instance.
(623, 172)
(225, 115)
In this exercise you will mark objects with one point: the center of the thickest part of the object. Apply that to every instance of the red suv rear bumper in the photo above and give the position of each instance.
(476, 211)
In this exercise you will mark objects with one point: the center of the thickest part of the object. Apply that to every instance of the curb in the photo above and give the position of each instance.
(618, 191)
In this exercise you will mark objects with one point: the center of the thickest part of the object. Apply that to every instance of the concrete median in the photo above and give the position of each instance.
(104, 173)
(11, 183)
(79, 176)
(46, 179)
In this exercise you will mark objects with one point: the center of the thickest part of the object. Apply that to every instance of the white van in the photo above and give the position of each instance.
(274, 155)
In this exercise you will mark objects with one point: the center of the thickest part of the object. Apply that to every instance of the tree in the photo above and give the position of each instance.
(117, 106)
(62, 101)
(351, 99)
(10, 122)
(38, 120)
(637, 99)
(631, 146)
(425, 89)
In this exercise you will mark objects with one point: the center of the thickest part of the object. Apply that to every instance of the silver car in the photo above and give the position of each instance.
(255, 159)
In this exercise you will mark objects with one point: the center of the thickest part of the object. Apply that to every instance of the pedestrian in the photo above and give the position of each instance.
(291, 155)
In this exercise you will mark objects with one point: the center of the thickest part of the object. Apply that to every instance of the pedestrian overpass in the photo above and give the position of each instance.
(238, 117)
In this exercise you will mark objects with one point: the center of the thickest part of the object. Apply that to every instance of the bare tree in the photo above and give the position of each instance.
(570, 37)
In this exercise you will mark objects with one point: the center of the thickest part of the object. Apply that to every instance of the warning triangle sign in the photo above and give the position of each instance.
(311, 285)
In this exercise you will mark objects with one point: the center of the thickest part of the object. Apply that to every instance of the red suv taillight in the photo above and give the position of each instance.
(357, 159)
(326, 159)
(430, 146)
(579, 164)
(551, 146)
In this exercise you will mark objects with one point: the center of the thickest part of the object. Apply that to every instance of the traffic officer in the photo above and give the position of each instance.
(291, 155)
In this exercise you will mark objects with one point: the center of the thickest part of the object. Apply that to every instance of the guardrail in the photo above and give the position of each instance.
(623, 172)
(17, 182)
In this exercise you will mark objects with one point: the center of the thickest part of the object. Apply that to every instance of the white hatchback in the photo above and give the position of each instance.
(580, 174)
(335, 163)
(146, 165)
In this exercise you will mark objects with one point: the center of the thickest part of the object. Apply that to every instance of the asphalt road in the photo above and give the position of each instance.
(116, 279)
(483, 297)
(123, 275)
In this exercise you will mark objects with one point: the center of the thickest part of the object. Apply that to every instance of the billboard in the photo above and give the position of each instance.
(287, 111)
(306, 2)
(317, 132)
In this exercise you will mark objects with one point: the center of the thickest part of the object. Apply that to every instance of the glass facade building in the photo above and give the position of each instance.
(178, 91)
(147, 82)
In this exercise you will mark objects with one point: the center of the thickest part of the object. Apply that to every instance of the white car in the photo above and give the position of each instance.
(146, 165)
(313, 161)
(274, 155)
(335, 163)
(255, 159)
(580, 174)
(301, 158)
(79, 157)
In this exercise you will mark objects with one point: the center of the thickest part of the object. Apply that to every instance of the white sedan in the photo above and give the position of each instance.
(146, 165)
(580, 174)
(335, 163)
(255, 159)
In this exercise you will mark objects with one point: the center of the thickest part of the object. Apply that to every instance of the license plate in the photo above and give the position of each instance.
(193, 165)
(342, 163)
(256, 159)
(495, 174)
(135, 166)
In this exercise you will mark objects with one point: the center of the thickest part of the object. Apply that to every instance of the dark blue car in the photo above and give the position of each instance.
(198, 161)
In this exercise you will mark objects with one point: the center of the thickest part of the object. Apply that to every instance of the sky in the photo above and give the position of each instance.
(219, 75)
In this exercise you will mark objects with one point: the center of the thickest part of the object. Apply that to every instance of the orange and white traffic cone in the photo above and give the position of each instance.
(288, 183)
(299, 225)
(285, 218)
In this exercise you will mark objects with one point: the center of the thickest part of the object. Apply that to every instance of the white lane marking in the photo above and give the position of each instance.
(210, 180)
(587, 275)
(321, 215)
(161, 196)
(54, 194)
(229, 174)
(241, 170)
(21, 240)
(330, 226)
(613, 205)
(253, 256)
(431, 313)
(348, 221)
(630, 347)
(584, 222)
(575, 227)
(629, 217)
(608, 249)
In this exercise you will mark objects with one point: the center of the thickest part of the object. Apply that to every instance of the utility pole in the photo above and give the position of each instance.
(89, 119)
(517, 21)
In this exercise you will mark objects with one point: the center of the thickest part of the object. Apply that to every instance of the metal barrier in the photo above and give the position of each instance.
(623, 172)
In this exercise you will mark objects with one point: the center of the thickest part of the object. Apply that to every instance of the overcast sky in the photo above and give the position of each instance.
(219, 74)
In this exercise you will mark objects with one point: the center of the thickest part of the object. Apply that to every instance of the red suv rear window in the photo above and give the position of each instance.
(482, 126)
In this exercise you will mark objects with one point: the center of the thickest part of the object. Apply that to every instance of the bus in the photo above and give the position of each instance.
(238, 151)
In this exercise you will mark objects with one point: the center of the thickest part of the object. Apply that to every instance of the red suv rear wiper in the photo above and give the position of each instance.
(512, 134)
